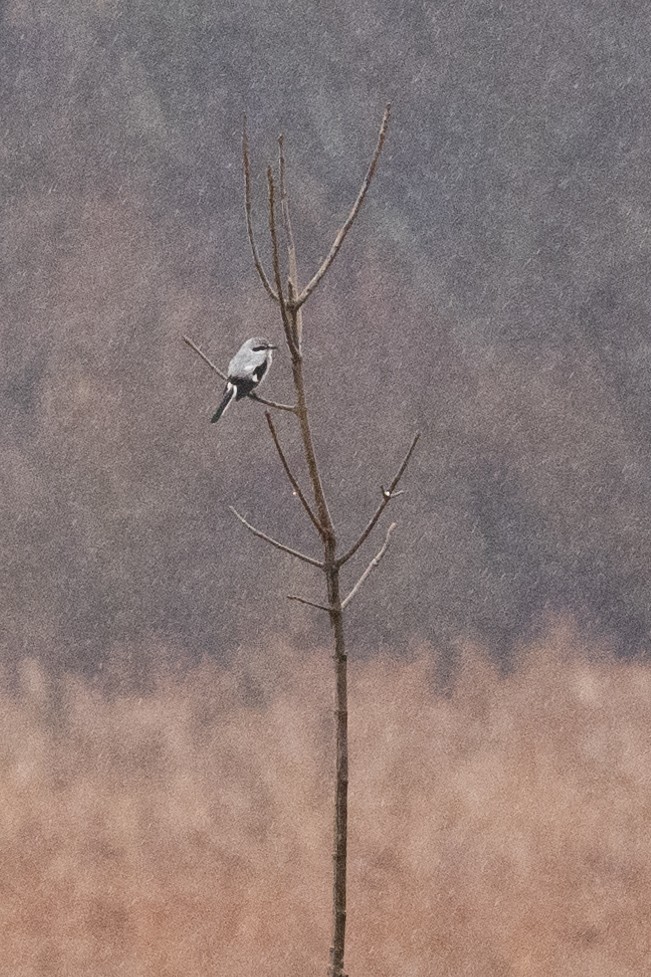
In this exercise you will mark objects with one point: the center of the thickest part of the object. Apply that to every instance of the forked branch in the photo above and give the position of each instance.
(274, 542)
(246, 164)
(293, 481)
(348, 223)
(369, 569)
(252, 395)
(387, 494)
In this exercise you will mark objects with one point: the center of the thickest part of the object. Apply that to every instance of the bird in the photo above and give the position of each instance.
(246, 371)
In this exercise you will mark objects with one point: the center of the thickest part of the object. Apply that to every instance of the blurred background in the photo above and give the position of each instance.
(493, 294)
(499, 830)
(165, 714)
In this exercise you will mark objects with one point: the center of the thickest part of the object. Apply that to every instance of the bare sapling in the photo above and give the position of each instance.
(289, 296)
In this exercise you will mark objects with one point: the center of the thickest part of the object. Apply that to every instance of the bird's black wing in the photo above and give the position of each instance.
(260, 371)
(245, 385)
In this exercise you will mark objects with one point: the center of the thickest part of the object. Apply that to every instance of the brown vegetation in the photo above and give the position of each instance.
(183, 829)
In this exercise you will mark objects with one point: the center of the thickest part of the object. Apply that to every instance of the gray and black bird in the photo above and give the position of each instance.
(246, 371)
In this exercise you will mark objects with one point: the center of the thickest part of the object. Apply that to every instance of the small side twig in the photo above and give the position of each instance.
(310, 603)
(253, 395)
(346, 226)
(293, 481)
(274, 542)
(387, 495)
(369, 569)
(246, 163)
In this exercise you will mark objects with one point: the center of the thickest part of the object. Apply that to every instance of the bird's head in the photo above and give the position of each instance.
(260, 345)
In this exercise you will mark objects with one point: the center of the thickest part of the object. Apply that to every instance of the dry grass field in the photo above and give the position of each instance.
(182, 829)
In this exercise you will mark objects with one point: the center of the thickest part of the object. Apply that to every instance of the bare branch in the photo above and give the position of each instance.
(252, 395)
(246, 163)
(285, 211)
(274, 542)
(290, 475)
(310, 603)
(369, 569)
(271, 403)
(287, 326)
(292, 285)
(346, 226)
(215, 369)
(387, 495)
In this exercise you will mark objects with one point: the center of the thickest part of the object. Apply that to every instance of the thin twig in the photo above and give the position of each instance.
(276, 264)
(206, 359)
(290, 475)
(310, 603)
(246, 163)
(372, 565)
(286, 212)
(271, 403)
(343, 231)
(252, 395)
(292, 263)
(387, 495)
(274, 542)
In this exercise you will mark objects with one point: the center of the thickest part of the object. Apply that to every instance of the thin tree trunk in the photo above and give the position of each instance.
(310, 454)
(331, 570)
(340, 852)
(290, 299)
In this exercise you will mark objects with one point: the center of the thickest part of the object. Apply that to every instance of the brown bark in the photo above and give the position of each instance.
(340, 853)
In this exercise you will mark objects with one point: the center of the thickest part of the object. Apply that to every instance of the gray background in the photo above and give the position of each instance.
(493, 295)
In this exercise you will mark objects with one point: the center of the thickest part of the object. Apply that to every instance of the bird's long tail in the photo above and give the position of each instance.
(229, 393)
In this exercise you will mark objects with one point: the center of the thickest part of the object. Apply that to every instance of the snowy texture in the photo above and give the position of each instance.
(493, 294)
